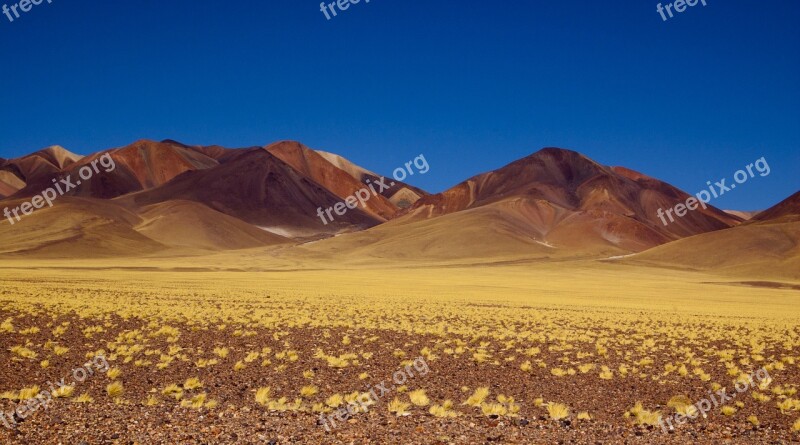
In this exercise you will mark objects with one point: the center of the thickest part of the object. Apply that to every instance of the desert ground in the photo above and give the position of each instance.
(192, 295)
(228, 348)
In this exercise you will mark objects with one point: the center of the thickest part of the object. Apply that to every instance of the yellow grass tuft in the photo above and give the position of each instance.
(262, 395)
(761, 397)
(195, 402)
(682, 405)
(83, 398)
(399, 408)
(335, 400)
(557, 411)
(789, 405)
(477, 397)
(643, 416)
(29, 392)
(444, 410)
(192, 383)
(493, 409)
(63, 392)
(308, 391)
(7, 326)
(23, 352)
(419, 398)
(222, 352)
(115, 390)
(174, 391)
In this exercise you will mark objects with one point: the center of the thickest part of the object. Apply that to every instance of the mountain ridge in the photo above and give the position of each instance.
(552, 204)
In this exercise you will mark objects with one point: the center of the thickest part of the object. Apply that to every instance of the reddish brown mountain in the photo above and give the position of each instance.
(288, 206)
(212, 151)
(788, 208)
(155, 163)
(561, 198)
(140, 166)
(401, 194)
(43, 162)
(552, 204)
(313, 165)
(10, 183)
(42, 165)
(260, 189)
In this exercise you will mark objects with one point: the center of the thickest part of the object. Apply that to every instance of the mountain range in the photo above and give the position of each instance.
(169, 198)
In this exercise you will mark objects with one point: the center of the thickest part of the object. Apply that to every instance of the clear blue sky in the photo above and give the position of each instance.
(471, 84)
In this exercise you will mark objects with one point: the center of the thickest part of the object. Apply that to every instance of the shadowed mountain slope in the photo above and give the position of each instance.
(260, 189)
(316, 167)
(567, 194)
(553, 204)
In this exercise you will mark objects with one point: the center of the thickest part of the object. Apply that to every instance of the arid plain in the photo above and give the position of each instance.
(540, 303)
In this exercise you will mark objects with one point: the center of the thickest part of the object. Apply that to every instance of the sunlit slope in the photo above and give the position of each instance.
(190, 224)
(41, 163)
(767, 246)
(501, 230)
(769, 250)
(622, 204)
(401, 194)
(78, 228)
(75, 228)
(9, 183)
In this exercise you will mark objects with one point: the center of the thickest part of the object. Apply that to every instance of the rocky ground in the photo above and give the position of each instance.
(144, 358)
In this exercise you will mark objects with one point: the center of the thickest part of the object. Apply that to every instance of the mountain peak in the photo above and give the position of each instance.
(562, 156)
(148, 143)
(557, 151)
(58, 156)
(789, 207)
